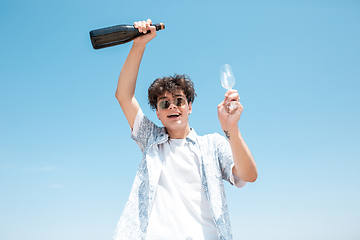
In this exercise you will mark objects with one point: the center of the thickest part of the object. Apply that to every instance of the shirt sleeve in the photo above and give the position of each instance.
(227, 163)
(141, 131)
(144, 131)
(138, 119)
(234, 180)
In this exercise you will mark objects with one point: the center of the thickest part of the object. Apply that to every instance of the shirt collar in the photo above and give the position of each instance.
(191, 137)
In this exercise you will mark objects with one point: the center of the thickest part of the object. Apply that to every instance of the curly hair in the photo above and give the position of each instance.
(171, 84)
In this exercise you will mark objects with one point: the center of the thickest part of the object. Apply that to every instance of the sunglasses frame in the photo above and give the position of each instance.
(175, 102)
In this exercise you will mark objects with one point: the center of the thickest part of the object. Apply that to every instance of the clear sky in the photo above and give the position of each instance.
(67, 162)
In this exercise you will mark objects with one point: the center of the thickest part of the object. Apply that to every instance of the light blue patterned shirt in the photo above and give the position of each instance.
(216, 165)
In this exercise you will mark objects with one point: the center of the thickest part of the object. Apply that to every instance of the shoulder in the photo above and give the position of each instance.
(145, 124)
(213, 137)
(146, 132)
(213, 140)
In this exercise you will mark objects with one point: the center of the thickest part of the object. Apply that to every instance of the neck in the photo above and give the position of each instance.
(178, 133)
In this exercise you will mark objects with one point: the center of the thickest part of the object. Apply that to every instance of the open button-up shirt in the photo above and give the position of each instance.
(216, 165)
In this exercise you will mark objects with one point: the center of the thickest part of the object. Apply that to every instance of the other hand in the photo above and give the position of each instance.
(227, 120)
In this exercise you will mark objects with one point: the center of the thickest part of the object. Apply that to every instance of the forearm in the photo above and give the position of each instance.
(245, 167)
(127, 80)
(125, 92)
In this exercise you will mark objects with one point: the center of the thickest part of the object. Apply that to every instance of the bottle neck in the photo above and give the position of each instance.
(159, 26)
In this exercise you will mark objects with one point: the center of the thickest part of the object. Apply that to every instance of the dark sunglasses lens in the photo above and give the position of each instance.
(180, 102)
(164, 104)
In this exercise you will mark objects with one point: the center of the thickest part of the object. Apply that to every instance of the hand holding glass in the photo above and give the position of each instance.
(228, 81)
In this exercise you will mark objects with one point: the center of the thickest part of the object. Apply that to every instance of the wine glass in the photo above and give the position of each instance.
(228, 81)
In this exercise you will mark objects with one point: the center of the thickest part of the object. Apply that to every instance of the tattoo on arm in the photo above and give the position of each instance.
(227, 134)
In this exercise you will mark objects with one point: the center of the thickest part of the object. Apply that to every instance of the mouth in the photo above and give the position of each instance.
(174, 115)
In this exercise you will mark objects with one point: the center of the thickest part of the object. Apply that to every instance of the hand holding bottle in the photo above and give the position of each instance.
(147, 29)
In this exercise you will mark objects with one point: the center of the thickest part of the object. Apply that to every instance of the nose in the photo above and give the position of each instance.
(172, 104)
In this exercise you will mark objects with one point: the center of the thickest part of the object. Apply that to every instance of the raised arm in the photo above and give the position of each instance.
(125, 92)
(245, 167)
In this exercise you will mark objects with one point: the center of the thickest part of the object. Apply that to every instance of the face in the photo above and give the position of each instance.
(174, 117)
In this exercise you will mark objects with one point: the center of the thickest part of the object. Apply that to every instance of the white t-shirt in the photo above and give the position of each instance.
(180, 209)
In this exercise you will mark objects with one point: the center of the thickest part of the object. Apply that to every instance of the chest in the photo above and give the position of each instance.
(180, 164)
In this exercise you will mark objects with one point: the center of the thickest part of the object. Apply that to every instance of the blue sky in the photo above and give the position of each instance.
(66, 158)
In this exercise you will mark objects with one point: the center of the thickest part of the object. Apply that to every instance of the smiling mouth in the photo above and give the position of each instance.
(175, 115)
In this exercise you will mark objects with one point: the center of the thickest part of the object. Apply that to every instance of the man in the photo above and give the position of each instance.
(178, 191)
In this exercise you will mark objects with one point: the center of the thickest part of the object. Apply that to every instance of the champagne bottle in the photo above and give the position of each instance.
(115, 35)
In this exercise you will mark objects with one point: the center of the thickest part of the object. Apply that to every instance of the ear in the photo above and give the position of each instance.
(190, 108)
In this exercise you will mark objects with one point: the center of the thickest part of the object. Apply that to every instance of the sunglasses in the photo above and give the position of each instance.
(165, 104)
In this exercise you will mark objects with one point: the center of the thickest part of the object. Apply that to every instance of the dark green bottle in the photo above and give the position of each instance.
(119, 34)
